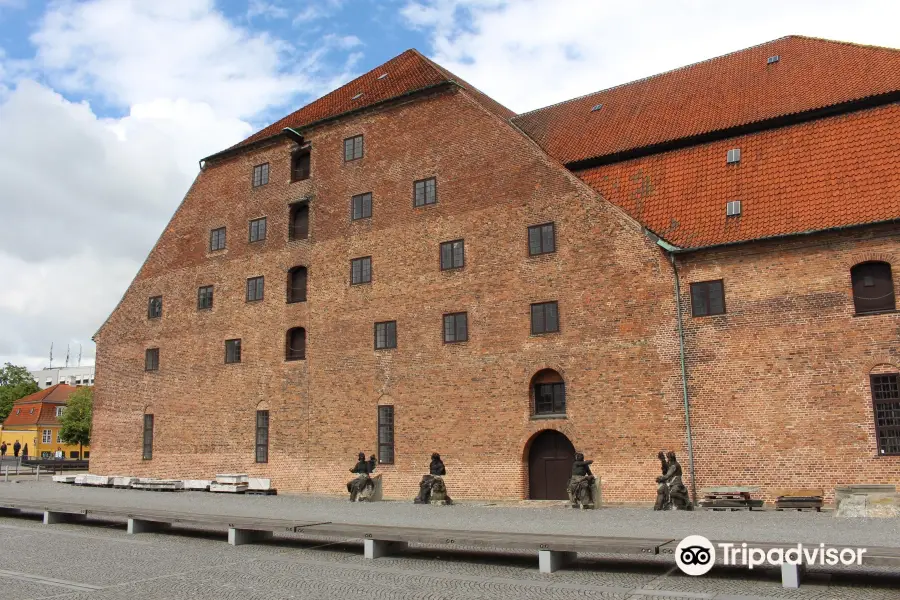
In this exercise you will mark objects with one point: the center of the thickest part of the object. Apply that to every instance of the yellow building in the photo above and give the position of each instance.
(34, 420)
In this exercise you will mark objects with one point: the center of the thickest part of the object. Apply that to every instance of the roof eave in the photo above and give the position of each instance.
(684, 250)
(785, 120)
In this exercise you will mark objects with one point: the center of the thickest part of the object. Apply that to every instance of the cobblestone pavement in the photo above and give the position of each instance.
(97, 560)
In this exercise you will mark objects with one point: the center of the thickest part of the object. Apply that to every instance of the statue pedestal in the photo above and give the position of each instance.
(439, 495)
(375, 493)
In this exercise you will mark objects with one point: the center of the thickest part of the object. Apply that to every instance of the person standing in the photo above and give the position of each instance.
(16, 447)
(25, 452)
(3, 450)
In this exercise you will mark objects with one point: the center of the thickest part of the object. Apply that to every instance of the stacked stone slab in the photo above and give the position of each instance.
(158, 485)
(230, 483)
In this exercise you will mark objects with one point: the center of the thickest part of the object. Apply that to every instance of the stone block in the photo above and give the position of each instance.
(550, 561)
(196, 485)
(232, 478)
(232, 488)
(255, 483)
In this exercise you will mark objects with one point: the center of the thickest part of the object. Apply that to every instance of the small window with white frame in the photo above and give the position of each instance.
(733, 156)
(59, 410)
(47, 436)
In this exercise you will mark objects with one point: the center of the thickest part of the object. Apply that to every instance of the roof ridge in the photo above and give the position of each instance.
(670, 71)
(841, 42)
(454, 78)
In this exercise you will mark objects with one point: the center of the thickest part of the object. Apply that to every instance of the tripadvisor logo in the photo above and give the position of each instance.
(695, 555)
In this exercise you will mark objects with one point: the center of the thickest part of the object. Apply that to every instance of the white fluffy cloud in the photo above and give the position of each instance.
(532, 53)
(83, 197)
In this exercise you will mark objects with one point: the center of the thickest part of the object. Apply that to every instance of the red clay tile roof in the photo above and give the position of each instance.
(39, 407)
(723, 92)
(407, 73)
(823, 174)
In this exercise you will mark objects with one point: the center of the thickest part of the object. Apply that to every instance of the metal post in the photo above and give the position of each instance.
(37, 476)
(7, 472)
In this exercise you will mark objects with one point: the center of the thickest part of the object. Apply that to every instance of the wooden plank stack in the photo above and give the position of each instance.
(730, 498)
(799, 499)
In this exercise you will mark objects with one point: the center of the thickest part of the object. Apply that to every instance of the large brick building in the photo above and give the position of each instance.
(405, 266)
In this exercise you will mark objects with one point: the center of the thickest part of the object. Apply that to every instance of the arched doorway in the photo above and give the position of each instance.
(549, 466)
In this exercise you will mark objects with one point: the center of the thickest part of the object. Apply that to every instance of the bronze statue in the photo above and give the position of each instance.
(679, 499)
(362, 487)
(581, 484)
(432, 489)
(662, 488)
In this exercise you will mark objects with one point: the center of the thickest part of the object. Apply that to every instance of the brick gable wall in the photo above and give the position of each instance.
(616, 350)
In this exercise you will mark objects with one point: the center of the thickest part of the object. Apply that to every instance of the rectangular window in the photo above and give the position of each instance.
(232, 351)
(47, 436)
(300, 163)
(59, 411)
(544, 318)
(733, 156)
(262, 436)
(217, 239)
(255, 288)
(362, 206)
(353, 148)
(386, 435)
(148, 437)
(73, 454)
(151, 359)
(453, 255)
(456, 328)
(154, 307)
(260, 174)
(385, 335)
(361, 270)
(550, 399)
(886, 400)
(708, 298)
(258, 230)
(205, 297)
(541, 239)
(58, 438)
(425, 192)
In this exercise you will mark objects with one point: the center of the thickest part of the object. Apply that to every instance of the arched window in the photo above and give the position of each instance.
(296, 291)
(873, 287)
(299, 221)
(548, 393)
(296, 344)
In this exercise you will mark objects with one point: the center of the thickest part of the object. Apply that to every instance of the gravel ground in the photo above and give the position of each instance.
(760, 526)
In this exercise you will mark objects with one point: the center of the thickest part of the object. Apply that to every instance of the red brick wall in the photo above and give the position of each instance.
(617, 348)
(779, 385)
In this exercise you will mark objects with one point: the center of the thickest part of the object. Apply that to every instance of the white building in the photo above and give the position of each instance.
(71, 375)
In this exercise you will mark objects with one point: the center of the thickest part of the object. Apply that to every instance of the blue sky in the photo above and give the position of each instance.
(106, 106)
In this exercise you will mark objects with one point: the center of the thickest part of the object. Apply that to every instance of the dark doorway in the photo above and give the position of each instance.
(549, 466)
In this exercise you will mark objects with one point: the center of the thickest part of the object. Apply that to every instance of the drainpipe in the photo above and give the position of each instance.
(671, 250)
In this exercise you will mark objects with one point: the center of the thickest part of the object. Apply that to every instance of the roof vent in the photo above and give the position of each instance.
(357, 97)
(733, 156)
(773, 59)
(596, 107)
(382, 76)
(733, 209)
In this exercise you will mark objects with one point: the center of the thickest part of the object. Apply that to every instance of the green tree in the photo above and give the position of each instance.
(76, 418)
(15, 382)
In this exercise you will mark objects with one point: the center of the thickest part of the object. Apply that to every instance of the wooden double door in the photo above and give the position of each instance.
(550, 462)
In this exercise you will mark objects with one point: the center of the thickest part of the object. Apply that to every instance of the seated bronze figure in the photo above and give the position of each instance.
(432, 489)
(581, 484)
